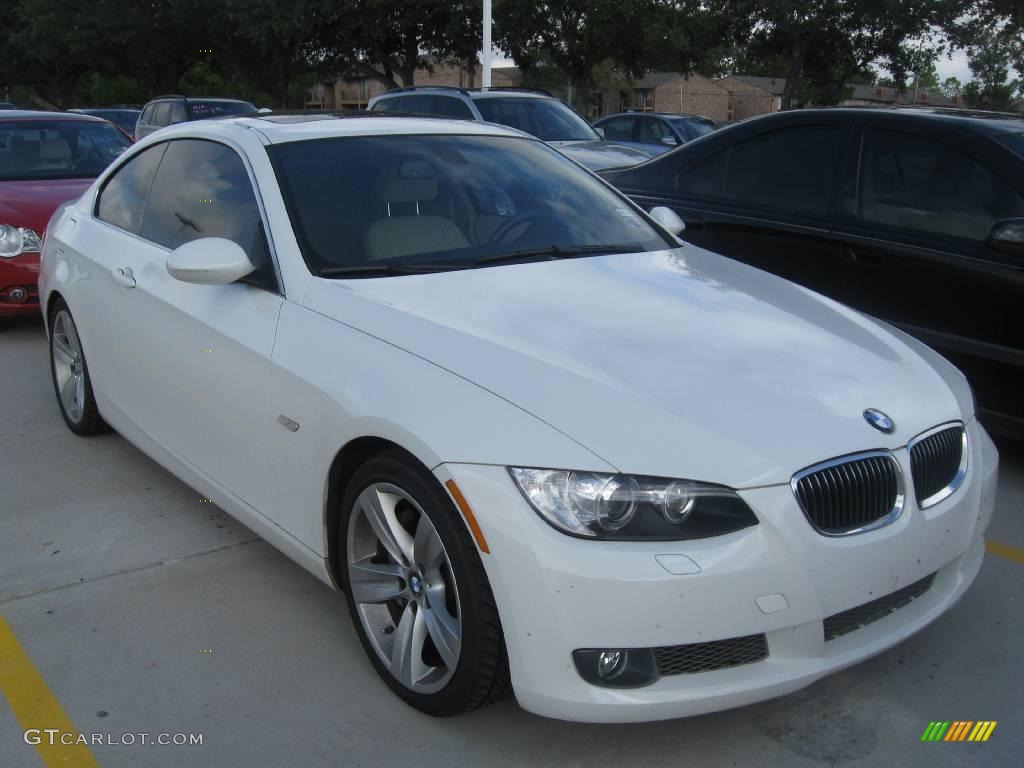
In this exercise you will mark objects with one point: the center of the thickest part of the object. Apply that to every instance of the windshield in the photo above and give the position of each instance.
(695, 127)
(547, 119)
(125, 119)
(57, 149)
(204, 108)
(370, 204)
(1015, 141)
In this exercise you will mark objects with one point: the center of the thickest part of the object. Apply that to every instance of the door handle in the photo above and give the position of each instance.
(868, 257)
(123, 276)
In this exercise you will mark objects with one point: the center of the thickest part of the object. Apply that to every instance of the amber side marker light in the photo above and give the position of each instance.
(467, 513)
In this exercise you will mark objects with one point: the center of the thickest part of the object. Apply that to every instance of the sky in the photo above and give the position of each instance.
(953, 67)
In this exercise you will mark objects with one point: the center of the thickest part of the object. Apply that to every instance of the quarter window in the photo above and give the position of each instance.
(449, 107)
(162, 114)
(123, 197)
(177, 113)
(918, 184)
(619, 129)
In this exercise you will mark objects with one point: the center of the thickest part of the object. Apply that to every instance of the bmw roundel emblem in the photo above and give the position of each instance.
(879, 421)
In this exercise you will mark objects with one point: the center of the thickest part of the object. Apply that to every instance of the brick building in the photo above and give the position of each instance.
(874, 95)
(666, 92)
(749, 96)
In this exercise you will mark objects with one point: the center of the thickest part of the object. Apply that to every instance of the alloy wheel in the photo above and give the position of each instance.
(68, 366)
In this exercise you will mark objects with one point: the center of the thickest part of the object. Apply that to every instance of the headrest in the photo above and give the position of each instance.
(54, 149)
(408, 181)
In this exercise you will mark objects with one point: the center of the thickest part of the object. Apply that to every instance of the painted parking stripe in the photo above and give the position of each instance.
(1010, 553)
(35, 707)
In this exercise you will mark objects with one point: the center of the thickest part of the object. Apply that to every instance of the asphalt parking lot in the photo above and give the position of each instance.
(134, 606)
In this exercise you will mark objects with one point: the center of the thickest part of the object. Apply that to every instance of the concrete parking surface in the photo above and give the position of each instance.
(145, 609)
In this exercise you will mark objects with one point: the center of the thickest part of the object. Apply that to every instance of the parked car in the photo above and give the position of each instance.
(536, 112)
(45, 159)
(527, 432)
(915, 216)
(654, 132)
(7, 105)
(125, 119)
(171, 110)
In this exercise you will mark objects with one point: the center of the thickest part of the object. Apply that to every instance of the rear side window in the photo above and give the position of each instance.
(147, 113)
(123, 197)
(653, 131)
(389, 105)
(789, 169)
(914, 183)
(177, 113)
(619, 129)
(704, 178)
(449, 107)
(203, 190)
(161, 113)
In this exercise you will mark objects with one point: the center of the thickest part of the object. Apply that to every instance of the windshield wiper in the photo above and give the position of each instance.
(561, 252)
(384, 270)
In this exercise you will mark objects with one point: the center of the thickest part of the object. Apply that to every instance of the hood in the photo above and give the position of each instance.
(32, 203)
(676, 363)
(599, 155)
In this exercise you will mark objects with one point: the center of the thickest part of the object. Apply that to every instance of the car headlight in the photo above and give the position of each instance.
(17, 240)
(626, 507)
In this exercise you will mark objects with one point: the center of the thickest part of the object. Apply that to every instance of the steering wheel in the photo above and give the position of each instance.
(498, 235)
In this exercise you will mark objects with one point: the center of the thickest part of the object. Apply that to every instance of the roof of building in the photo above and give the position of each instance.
(656, 79)
(887, 95)
(773, 85)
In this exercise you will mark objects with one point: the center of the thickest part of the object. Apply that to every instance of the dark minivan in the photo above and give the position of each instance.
(915, 216)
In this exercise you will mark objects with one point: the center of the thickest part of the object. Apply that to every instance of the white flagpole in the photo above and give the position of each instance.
(485, 81)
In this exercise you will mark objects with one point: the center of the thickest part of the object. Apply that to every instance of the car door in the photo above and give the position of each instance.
(765, 199)
(196, 358)
(911, 248)
(656, 136)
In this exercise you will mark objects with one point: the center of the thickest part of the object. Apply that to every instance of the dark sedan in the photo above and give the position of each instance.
(915, 216)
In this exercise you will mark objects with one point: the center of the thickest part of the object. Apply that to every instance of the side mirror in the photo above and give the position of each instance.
(209, 261)
(600, 132)
(668, 219)
(1007, 236)
(669, 141)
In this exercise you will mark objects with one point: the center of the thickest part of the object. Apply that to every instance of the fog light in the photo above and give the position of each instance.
(17, 295)
(617, 668)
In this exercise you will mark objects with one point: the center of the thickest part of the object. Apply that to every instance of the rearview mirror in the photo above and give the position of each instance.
(1007, 236)
(668, 219)
(209, 261)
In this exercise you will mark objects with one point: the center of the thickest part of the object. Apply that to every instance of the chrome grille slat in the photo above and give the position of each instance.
(851, 494)
(938, 461)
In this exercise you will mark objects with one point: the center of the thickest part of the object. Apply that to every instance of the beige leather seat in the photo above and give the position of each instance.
(54, 153)
(405, 228)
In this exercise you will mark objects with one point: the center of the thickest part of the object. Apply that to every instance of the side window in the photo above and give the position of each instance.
(619, 129)
(161, 113)
(147, 114)
(418, 104)
(449, 107)
(389, 105)
(789, 169)
(202, 190)
(914, 183)
(177, 113)
(122, 200)
(654, 131)
(704, 178)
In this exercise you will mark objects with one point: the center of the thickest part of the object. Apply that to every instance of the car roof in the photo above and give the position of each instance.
(667, 115)
(974, 120)
(38, 114)
(279, 128)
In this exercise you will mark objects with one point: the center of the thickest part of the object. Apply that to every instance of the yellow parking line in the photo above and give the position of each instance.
(1010, 553)
(35, 707)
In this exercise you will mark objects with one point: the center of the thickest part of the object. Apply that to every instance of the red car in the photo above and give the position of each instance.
(46, 158)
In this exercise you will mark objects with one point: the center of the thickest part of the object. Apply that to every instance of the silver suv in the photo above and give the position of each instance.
(535, 112)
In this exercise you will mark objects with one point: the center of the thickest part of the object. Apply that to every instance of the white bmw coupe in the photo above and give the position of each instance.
(534, 438)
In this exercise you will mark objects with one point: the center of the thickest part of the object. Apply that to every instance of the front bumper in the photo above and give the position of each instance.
(556, 594)
(19, 272)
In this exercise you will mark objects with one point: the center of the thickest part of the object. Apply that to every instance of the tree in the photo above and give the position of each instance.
(991, 86)
(951, 87)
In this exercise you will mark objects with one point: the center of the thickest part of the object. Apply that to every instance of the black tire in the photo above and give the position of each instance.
(481, 675)
(88, 421)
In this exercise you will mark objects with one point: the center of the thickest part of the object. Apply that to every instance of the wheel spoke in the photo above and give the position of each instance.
(68, 390)
(427, 549)
(62, 350)
(375, 582)
(407, 654)
(379, 509)
(72, 336)
(446, 633)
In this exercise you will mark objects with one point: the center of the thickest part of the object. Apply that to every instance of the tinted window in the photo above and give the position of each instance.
(789, 169)
(389, 105)
(619, 128)
(547, 119)
(57, 149)
(704, 178)
(419, 104)
(695, 127)
(147, 113)
(177, 113)
(204, 108)
(655, 131)
(915, 183)
(123, 197)
(449, 107)
(202, 190)
(370, 201)
(163, 113)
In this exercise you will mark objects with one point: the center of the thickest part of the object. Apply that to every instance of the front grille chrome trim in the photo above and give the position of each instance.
(836, 466)
(961, 472)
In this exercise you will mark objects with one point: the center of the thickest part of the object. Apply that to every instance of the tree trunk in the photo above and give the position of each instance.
(793, 71)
